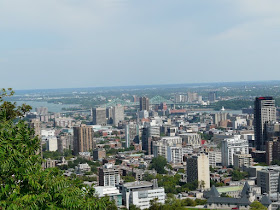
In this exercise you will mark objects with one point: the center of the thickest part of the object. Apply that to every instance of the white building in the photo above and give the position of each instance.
(118, 114)
(63, 122)
(82, 168)
(110, 191)
(215, 158)
(174, 143)
(191, 139)
(174, 155)
(232, 146)
(51, 144)
(239, 122)
(141, 193)
(47, 133)
(109, 175)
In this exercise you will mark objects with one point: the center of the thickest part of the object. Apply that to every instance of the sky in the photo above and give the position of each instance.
(92, 43)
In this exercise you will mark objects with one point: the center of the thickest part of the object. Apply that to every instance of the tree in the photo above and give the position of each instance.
(256, 205)
(23, 182)
(158, 163)
(238, 175)
(133, 207)
(128, 178)
(202, 184)
(224, 195)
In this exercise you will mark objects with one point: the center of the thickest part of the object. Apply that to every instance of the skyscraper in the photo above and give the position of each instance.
(198, 170)
(264, 112)
(144, 103)
(99, 116)
(127, 137)
(212, 96)
(147, 135)
(83, 139)
(118, 114)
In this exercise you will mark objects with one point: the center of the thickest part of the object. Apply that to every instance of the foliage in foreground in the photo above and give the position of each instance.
(23, 183)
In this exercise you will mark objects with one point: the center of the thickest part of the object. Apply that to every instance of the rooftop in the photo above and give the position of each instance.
(138, 184)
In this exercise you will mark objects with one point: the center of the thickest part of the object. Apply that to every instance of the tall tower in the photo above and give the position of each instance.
(144, 103)
(99, 116)
(198, 170)
(264, 112)
(127, 137)
(83, 139)
(118, 114)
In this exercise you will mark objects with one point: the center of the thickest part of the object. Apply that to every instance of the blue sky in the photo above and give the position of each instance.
(88, 43)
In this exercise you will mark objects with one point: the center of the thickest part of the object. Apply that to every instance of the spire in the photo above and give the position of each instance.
(245, 190)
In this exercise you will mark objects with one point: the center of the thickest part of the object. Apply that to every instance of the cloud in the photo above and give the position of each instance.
(257, 20)
(63, 16)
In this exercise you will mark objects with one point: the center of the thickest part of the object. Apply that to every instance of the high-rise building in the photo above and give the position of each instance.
(272, 151)
(36, 125)
(144, 114)
(144, 103)
(42, 110)
(215, 158)
(127, 137)
(180, 98)
(118, 114)
(268, 180)
(169, 147)
(83, 139)
(99, 154)
(65, 141)
(99, 116)
(212, 96)
(147, 134)
(232, 146)
(109, 175)
(264, 112)
(240, 161)
(52, 144)
(109, 115)
(219, 117)
(198, 170)
(192, 97)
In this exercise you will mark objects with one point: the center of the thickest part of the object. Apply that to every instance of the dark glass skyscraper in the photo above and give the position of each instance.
(144, 103)
(264, 112)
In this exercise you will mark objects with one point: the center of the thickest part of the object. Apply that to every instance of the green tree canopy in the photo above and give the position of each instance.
(256, 205)
(158, 163)
(23, 182)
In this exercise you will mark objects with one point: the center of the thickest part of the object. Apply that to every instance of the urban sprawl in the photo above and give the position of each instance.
(193, 145)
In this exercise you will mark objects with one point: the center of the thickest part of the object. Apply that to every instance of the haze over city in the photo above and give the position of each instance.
(89, 43)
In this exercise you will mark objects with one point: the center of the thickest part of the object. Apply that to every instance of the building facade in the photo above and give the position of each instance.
(83, 139)
(264, 112)
(109, 175)
(99, 116)
(198, 170)
(140, 193)
(144, 103)
(232, 146)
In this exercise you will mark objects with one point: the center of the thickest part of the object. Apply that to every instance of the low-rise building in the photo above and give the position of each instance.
(112, 192)
(141, 193)
(242, 160)
(109, 175)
